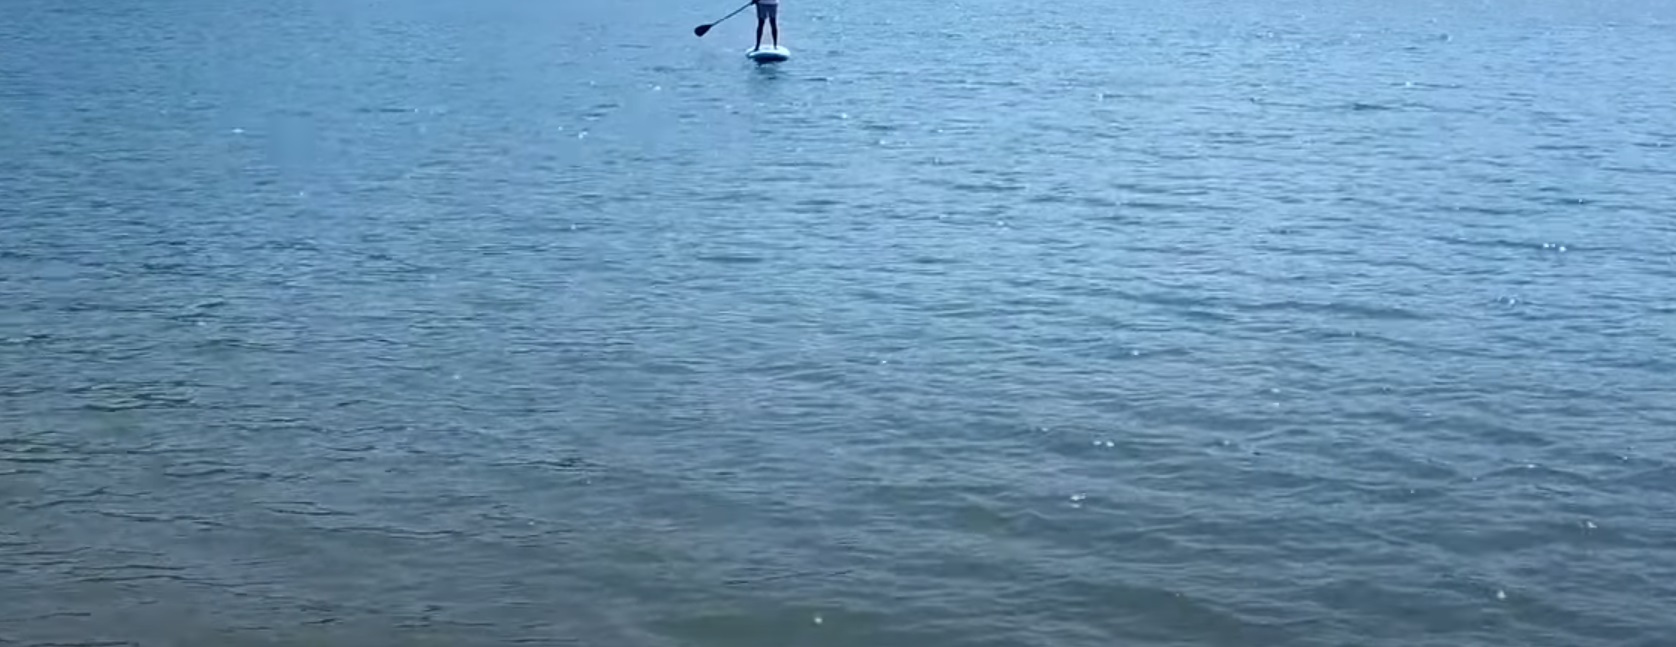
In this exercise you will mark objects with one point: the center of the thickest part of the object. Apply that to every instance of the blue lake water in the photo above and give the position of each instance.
(977, 323)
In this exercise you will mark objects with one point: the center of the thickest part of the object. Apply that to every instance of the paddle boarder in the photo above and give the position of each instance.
(768, 11)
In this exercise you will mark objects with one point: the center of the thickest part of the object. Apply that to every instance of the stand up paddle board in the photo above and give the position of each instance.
(769, 54)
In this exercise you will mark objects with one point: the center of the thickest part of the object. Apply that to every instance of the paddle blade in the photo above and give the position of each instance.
(701, 30)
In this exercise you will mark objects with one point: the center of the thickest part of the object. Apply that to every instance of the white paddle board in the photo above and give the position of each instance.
(769, 54)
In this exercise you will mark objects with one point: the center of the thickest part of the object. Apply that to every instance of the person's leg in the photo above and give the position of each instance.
(774, 21)
(762, 16)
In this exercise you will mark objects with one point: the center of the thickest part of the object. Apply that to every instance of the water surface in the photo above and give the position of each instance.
(361, 322)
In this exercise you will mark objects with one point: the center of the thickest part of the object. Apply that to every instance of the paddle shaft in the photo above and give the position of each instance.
(702, 29)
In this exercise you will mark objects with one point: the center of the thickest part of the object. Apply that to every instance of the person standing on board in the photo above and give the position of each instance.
(768, 11)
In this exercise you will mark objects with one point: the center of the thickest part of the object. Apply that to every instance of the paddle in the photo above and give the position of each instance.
(701, 30)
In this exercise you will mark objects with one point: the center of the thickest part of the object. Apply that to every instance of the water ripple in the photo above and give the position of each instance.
(1188, 324)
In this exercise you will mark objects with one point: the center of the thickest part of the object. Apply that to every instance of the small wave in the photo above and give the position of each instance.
(1502, 243)
(787, 576)
(1532, 472)
(49, 616)
(731, 259)
(85, 497)
(983, 187)
(140, 401)
(428, 622)
(306, 510)
(387, 110)
(1066, 197)
(136, 567)
(1487, 210)
(89, 643)
(1640, 170)
(108, 579)
(1363, 311)
(156, 518)
(815, 206)
(27, 339)
(1178, 207)
(213, 471)
(402, 533)
(39, 459)
(565, 464)
(1362, 106)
